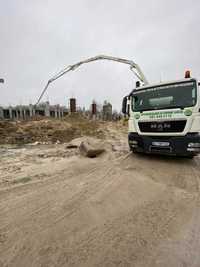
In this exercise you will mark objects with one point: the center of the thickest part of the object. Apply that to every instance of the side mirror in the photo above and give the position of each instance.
(124, 105)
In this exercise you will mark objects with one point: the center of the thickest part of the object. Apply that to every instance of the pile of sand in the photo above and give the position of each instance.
(48, 130)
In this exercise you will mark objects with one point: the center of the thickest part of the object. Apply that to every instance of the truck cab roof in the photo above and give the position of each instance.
(165, 83)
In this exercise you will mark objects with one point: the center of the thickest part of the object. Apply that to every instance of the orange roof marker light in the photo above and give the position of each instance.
(187, 74)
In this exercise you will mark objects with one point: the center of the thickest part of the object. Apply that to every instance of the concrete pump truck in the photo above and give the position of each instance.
(163, 118)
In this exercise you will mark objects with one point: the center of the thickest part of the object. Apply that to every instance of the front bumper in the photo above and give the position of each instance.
(173, 145)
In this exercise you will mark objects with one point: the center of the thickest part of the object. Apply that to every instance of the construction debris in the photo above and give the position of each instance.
(48, 130)
(91, 148)
(71, 146)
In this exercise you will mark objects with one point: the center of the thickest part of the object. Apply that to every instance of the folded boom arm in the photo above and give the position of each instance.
(133, 67)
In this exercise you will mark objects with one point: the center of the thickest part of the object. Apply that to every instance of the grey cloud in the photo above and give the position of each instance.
(38, 38)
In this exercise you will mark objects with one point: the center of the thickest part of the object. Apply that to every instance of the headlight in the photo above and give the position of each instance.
(194, 145)
(134, 142)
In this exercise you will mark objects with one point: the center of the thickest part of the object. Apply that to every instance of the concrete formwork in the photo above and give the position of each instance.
(107, 111)
(29, 111)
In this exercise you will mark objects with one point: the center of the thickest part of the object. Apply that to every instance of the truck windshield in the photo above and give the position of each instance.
(176, 95)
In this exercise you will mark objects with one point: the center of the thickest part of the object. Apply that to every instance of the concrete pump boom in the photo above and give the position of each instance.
(133, 67)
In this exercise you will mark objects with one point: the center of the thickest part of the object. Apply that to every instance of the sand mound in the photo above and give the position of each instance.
(48, 130)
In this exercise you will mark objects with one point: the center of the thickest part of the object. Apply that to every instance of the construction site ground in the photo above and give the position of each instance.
(59, 208)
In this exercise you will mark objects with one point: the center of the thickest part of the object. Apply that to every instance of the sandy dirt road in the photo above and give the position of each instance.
(60, 209)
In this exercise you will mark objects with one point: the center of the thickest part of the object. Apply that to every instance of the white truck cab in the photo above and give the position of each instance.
(164, 118)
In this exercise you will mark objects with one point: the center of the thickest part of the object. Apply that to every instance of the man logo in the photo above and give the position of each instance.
(167, 125)
(160, 126)
(153, 126)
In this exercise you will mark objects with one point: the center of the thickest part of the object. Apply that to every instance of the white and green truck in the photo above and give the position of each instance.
(164, 118)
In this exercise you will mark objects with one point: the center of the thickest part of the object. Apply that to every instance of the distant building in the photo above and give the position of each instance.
(107, 111)
(23, 112)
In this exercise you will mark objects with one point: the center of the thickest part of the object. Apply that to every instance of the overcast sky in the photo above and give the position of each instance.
(40, 37)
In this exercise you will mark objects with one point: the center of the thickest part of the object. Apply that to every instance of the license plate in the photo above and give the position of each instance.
(160, 144)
